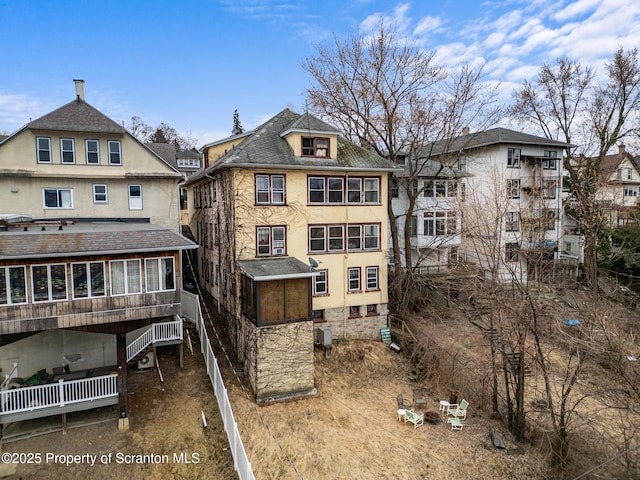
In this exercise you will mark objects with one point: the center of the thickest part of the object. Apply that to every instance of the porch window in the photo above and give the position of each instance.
(88, 279)
(125, 277)
(49, 282)
(13, 289)
(159, 274)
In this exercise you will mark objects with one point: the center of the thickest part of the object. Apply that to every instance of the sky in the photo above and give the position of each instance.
(191, 63)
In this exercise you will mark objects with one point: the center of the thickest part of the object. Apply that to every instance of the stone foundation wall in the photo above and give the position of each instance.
(364, 327)
(278, 359)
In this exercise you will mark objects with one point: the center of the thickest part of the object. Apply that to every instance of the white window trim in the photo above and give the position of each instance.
(159, 260)
(125, 278)
(49, 285)
(62, 151)
(325, 275)
(86, 149)
(377, 278)
(359, 278)
(106, 193)
(7, 278)
(111, 142)
(89, 289)
(38, 149)
(58, 190)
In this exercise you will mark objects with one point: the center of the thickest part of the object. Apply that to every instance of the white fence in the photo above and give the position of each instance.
(157, 332)
(58, 394)
(192, 310)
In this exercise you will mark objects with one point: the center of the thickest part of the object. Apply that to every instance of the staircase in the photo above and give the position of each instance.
(162, 333)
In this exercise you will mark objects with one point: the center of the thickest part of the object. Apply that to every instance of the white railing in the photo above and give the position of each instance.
(240, 460)
(12, 374)
(157, 332)
(58, 394)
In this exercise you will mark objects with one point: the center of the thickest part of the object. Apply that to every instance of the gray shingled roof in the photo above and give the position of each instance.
(275, 268)
(265, 147)
(89, 239)
(493, 136)
(77, 116)
(166, 151)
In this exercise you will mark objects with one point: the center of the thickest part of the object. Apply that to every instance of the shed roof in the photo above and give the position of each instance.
(275, 269)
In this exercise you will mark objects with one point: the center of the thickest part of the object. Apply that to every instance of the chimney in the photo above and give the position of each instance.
(622, 149)
(79, 89)
(465, 131)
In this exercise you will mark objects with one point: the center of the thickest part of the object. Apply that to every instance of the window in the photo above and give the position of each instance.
(440, 188)
(88, 279)
(513, 188)
(135, 197)
(100, 193)
(395, 187)
(513, 158)
(115, 152)
(440, 223)
(271, 241)
(336, 190)
(13, 288)
(159, 274)
(92, 148)
(462, 163)
(549, 161)
(320, 283)
(551, 154)
(372, 278)
(125, 277)
(354, 311)
(511, 252)
(354, 279)
(548, 188)
(413, 226)
(49, 282)
(354, 187)
(316, 239)
(629, 174)
(318, 315)
(631, 191)
(551, 219)
(372, 309)
(43, 148)
(315, 147)
(371, 190)
(513, 222)
(189, 162)
(336, 238)
(57, 197)
(372, 237)
(354, 237)
(270, 189)
(67, 150)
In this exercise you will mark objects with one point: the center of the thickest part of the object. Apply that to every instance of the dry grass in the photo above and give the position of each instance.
(350, 429)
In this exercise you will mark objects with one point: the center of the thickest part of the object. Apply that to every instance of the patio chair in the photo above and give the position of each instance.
(402, 403)
(459, 411)
(418, 397)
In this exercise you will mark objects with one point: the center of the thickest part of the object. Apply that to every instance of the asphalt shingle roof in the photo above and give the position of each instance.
(266, 147)
(88, 239)
(77, 116)
(262, 269)
(493, 136)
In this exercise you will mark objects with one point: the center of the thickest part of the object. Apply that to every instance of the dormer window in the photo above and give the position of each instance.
(315, 147)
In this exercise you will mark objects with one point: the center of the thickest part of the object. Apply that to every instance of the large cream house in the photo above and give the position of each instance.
(291, 221)
(90, 262)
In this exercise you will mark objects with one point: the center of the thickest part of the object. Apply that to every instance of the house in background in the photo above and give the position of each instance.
(90, 259)
(435, 218)
(511, 205)
(292, 224)
(619, 190)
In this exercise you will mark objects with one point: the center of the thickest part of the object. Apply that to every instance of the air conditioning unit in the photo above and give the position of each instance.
(278, 251)
(146, 361)
(323, 339)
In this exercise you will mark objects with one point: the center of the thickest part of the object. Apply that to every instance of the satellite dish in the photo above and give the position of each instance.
(313, 263)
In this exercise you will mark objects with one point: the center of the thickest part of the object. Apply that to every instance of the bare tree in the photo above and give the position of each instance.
(388, 95)
(566, 102)
(163, 133)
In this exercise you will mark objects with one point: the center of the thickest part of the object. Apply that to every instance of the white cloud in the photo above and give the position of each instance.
(427, 25)
(18, 109)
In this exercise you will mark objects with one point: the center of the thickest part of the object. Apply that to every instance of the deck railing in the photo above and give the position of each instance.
(157, 332)
(13, 374)
(58, 394)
